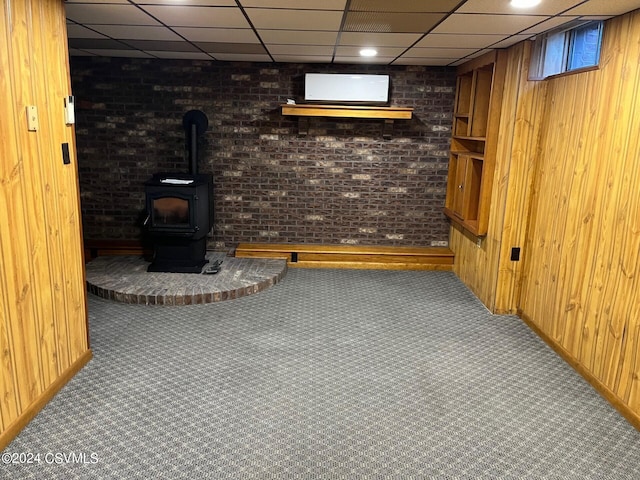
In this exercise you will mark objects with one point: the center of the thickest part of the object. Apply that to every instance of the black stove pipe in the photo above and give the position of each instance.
(193, 151)
(195, 123)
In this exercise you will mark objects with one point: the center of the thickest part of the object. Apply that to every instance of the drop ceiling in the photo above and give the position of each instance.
(404, 32)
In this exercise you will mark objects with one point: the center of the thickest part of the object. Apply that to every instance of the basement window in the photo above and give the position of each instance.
(570, 48)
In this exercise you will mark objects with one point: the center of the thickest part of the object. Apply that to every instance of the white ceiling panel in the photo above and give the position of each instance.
(301, 50)
(439, 6)
(223, 17)
(295, 19)
(548, 25)
(450, 40)
(119, 53)
(439, 52)
(553, 7)
(488, 24)
(180, 55)
(360, 60)
(298, 37)
(366, 39)
(297, 4)
(424, 61)
(605, 7)
(136, 32)
(510, 41)
(343, 51)
(108, 14)
(188, 3)
(99, 1)
(243, 57)
(303, 58)
(78, 31)
(230, 35)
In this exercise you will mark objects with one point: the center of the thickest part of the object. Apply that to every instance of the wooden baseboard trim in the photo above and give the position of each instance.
(100, 248)
(19, 423)
(632, 417)
(351, 256)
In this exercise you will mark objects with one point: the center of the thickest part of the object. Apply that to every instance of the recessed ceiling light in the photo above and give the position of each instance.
(524, 3)
(368, 52)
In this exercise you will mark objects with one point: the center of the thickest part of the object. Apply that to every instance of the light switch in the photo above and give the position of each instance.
(32, 118)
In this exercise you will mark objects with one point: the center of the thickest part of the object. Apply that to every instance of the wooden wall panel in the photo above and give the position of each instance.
(566, 191)
(581, 287)
(43, 334)
(485, 265)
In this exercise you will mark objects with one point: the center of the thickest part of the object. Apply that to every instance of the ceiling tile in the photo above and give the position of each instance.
(120, 53)
(365, 39)
(199, 16)
(548, 25)
(605, 7)
(88, 43)
(181, 55)
(295, 19)
(187, 3)
(391, 22)
(98, 1)
(439, 52)
(162, 46)
(242, 57)
(229, 35)
(507, 42)
(366, 60)
(108, 14)
(552, 7)
(298, 37)
(245, 48)
(296, 4)
(74, 52)
(138, 32)
(78, 31)
(382, 52)
(449, 40)
(443, 6)
(425, 61)
(487, 24)
(303, 58)
(300, 50)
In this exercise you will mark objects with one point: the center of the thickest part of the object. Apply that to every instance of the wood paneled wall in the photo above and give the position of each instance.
(43, 327)
(580, 286)
(566, 191)
(484, 265)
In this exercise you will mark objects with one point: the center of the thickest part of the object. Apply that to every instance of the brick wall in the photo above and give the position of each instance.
(341, 183)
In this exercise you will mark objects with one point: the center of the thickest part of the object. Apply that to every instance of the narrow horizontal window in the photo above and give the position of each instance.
(572, 47)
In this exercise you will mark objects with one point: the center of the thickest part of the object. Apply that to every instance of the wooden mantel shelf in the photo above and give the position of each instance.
(388, 114)
(347, 111)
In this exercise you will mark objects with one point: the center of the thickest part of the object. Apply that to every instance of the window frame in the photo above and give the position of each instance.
(569, 31)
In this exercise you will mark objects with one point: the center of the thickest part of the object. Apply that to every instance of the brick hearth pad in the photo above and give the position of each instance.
(125, 279)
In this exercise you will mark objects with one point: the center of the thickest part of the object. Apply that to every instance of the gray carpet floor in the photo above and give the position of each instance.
(331, 374)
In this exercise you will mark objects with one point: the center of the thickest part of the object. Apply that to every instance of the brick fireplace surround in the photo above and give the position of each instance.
(342, 183)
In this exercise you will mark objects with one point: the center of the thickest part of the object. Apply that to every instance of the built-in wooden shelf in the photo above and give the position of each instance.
(473, 151)
(388, 114)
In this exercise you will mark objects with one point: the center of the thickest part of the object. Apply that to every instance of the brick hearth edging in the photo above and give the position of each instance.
(125, 279)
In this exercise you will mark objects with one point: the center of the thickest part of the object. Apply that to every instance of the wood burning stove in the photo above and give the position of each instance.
(180, 210)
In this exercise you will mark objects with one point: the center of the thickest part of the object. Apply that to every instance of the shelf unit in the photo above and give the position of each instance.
(388, 114)
(476, 121)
